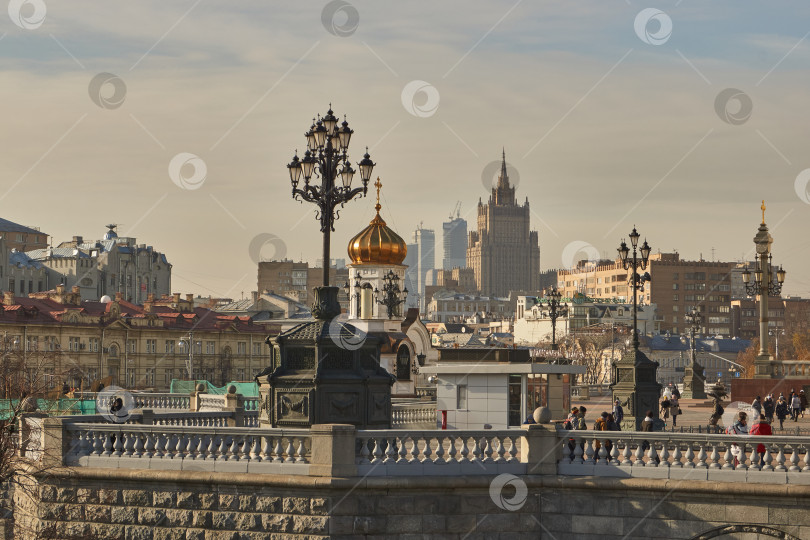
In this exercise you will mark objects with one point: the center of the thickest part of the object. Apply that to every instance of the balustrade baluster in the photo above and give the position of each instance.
(579, 451)
(728, 458)
(589, 451)
(440, 450)
(499, 451)
(701, 457)
(451, 451)
(377, 452)
(715, 458)
(138, 446)
(639, 455)
(794, 458)
(233, 449)
(487, 450)
(780, 458)
(301, 453)
(754, 458)
(289, 451)
(664, 455)
(222, 448)
(278, 451)
(98, 443)
(389, 442)
(768, 465)
(652, 456)
(402, 452)
(465, 451)
(602, 454)
(614, 453)
(427, 451)
(119, 444)
(149, 445)
(626, 453)
(476, 451)
(806, 459)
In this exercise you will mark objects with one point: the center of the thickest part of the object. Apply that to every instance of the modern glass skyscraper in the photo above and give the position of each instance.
(454, 242)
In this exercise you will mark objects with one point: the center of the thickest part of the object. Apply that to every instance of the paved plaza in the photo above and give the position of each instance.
(696, 413)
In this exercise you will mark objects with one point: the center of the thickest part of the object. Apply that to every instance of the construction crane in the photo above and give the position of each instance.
(456, 210)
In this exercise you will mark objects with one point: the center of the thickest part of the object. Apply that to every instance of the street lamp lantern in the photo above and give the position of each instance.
(637, 280)
(327, 157)
(555, 310)
(391, 296)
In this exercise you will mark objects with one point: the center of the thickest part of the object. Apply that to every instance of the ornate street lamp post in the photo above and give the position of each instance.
(555, 310)
(391, 297)
(635, 376)
(766, 283)
(189, 342)
(694, 379)
(356, 294)
(327, 157)
(636, 280)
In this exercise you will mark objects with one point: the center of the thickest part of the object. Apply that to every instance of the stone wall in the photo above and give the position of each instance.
(131, 504)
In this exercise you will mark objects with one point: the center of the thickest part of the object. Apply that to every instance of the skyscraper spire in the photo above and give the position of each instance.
(503, 179)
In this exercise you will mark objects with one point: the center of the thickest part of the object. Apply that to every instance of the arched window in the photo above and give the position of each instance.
(403, 364)
(113, 351)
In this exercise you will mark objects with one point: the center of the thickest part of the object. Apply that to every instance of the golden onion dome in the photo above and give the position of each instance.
(377, 243)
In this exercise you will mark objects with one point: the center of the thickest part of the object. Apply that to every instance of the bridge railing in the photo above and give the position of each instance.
(772, 459)
(174, 441)
(413, 415)
(162, 401)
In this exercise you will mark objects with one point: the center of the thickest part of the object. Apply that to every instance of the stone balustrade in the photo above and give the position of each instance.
(685, 455)
(209, 441)
(438, 452)
(413, 416)
(187, 448)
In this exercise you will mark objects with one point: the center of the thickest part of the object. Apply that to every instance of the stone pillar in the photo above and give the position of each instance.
(54, 440)
(194, 402)
(333, 450)
(24, 430)
(147, 417)
(235, 403)
(540, 449)
(694, 382)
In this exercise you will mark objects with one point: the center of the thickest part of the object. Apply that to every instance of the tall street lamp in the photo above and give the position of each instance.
(555, 310)
(189, 342)
(635, 376)
(694, 379)
(766, 283)
(327, 157)
(391, 297)
(636, 280)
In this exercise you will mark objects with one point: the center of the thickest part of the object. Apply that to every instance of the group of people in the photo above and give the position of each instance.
(794, 406)
(670, 404)
(761, 426)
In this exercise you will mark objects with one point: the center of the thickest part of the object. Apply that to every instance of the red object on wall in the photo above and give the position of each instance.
(444, 419)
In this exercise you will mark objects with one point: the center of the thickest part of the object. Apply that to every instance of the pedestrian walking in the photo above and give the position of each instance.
(795, 407)
(768, 407)
(674, 409)
(647, 425)
(761, 427)
(802, 401)
(757, 407)
(618, 413)
(781, 411)
(739, 427)
(665, 405)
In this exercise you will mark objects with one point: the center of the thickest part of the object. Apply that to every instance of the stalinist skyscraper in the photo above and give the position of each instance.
(504, 252)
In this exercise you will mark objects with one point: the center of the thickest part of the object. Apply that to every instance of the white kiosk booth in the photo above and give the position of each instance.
(497, 388)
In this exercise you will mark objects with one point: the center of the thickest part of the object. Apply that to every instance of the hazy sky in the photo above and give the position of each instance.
(611, 113)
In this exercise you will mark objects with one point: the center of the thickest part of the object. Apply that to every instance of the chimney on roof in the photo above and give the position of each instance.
(8, 298)
(60, 289)
(119, 296)
(78, 240)
(255, 295)
(75, 289)
(190, 298)
(176, 297)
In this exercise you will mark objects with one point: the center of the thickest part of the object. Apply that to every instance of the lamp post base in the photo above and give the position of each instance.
(326, 306)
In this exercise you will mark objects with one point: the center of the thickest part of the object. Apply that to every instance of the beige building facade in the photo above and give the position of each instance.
(137, 347)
